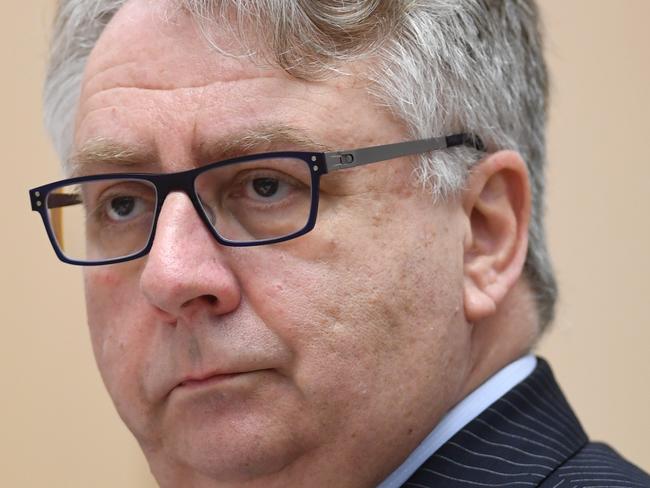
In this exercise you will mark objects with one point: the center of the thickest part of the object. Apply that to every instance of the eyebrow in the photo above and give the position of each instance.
(261, 138)
(104, 151)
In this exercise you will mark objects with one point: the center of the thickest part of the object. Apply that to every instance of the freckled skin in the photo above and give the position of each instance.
(357, 325)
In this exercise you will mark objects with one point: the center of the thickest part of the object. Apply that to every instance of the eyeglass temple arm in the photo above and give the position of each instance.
(359, 157)
(58, 200)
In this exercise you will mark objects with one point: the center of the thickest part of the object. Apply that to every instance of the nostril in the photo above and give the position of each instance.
(198, 305)
(210, 299)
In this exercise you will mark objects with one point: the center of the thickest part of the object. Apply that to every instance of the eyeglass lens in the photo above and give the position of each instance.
(245, 202)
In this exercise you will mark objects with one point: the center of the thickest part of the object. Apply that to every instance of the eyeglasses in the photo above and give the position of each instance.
(246, 201)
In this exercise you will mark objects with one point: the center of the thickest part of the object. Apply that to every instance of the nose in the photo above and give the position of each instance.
(186, 272)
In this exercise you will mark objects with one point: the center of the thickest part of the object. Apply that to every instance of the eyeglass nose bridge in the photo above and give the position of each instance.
(167, 183)
(179, 182)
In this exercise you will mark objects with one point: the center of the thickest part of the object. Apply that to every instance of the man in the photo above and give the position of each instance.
(278, 299)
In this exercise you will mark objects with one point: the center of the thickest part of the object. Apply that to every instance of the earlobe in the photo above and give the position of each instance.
(496, 202)
(478, 304)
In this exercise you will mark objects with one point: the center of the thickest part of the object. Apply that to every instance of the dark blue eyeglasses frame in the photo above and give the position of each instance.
(319, 163)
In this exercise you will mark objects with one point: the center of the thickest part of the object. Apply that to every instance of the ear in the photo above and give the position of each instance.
(496, 202)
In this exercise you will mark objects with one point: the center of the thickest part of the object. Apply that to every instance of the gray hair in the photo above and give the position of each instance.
(441, 66)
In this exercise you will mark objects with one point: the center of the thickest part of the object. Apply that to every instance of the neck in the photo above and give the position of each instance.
(304, 471)
(503, 337)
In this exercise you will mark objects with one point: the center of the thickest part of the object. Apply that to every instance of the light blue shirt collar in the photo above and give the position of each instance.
(464, 412)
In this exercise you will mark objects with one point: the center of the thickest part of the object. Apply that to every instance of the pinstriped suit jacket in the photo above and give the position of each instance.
(528, 438)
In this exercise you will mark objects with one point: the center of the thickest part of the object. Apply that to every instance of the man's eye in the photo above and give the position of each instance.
(124, 208)
(267, 189)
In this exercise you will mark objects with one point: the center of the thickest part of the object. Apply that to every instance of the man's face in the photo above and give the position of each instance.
(340, 348)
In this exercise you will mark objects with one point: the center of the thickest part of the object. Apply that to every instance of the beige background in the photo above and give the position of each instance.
(58, 427)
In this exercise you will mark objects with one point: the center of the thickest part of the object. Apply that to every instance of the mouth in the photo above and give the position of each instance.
(219, 381)
(191, 383)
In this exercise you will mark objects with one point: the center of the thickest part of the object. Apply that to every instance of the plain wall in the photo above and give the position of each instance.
(59, 428)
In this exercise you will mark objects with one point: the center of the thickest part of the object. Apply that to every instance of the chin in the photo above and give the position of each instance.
(228, 455)
(228, 445)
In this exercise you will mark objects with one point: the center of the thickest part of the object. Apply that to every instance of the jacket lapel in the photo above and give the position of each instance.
(516, 442)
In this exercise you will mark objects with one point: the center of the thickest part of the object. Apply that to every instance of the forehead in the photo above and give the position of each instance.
(155, 62)
(156, 33)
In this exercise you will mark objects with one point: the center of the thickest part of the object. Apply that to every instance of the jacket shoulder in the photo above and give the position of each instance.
(597, 465)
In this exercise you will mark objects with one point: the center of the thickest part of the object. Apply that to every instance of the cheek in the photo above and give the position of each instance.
(364, 306)
(112, 312)
(402, 286)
